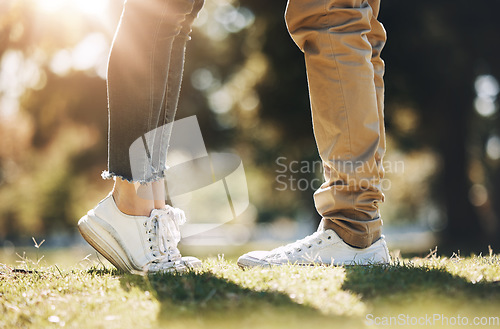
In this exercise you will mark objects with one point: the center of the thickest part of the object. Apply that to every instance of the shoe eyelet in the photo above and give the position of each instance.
(149, 239)
(320, 241)
(150, 247)
(329, 237)
(299, 249)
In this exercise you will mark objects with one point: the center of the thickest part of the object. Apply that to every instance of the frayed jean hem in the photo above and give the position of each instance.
(153, 177)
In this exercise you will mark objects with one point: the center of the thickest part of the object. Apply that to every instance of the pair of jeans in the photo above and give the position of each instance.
(144, 77)
(342, 41)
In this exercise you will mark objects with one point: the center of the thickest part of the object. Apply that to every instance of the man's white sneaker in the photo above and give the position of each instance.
(321, 247)
(136, 244)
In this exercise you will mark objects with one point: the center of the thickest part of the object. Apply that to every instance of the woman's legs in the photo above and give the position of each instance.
(144, 79)
(144, 75)
(132, 227)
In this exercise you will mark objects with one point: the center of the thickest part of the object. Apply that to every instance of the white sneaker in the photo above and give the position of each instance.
(321, 247)
(136, 244)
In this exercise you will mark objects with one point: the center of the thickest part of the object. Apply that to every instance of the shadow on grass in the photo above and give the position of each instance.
(382, 281)
(204, 300)
(421, 290)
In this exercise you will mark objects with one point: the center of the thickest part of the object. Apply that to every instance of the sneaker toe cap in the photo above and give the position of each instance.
(254, 258)
(191, 262)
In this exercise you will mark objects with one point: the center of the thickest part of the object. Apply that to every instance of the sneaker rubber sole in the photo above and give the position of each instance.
(104, 243)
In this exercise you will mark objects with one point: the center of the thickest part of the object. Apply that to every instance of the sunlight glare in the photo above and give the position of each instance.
(92, 6)
(487, 89)
(61, 62)
(91, 52)
(493, 147)
(50, 5)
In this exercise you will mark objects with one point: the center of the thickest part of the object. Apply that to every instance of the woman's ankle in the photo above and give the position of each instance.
(128, 201)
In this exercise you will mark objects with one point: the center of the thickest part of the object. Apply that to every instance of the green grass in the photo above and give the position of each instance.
(220, 295)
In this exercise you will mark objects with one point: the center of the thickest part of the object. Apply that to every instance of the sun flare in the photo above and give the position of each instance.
(91, 7)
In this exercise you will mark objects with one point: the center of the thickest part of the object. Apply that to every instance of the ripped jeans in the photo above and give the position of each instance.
(144, 77)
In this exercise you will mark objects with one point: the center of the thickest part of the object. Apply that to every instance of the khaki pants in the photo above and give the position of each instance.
(342, 41)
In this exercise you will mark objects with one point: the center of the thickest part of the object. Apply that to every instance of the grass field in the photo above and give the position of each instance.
(434, 292)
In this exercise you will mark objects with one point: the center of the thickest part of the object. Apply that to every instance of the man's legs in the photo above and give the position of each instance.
(341, 41)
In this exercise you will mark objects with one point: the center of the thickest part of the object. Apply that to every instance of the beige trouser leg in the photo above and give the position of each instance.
(341, 41)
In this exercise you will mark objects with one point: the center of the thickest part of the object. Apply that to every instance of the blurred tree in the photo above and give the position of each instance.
(436, 50)
(53, 110)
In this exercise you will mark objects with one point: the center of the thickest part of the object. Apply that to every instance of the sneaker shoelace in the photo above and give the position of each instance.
(298, 246)
(165, 233)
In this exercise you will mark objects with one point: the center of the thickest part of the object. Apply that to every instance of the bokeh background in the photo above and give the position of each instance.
(245, 81)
